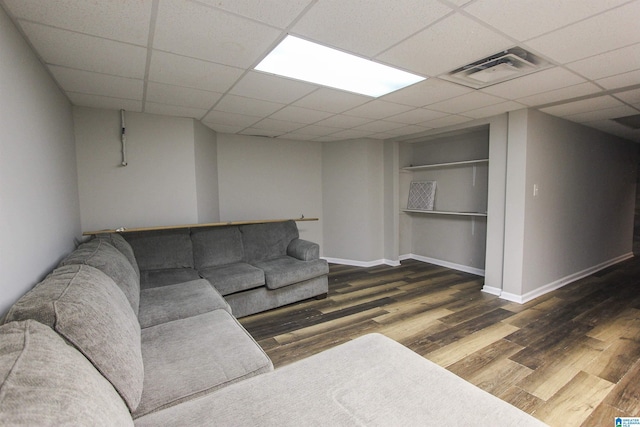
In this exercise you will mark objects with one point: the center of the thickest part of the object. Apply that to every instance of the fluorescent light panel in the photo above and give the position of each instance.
(303, 60)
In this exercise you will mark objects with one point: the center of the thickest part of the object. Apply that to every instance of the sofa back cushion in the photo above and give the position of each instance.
(90, 311)
(267, 241)
(156, 250)
(44, 381)
(118, 242)
(216, 246)
(102, 255)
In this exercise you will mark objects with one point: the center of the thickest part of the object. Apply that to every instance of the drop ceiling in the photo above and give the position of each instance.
(195, 59)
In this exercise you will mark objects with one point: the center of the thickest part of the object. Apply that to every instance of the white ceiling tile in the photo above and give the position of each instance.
(331, 100)
(199, 31)
(466, 102)
(300, 115)
(570, 92)
(630, 96)
(351, 134)
(122, 20)
(278, 13)
(75, 50)
(608, 31)
(181, 71)
(524, 19)
(343, 121)
(616, 129)
(181, 96)
(277, 125)
(532, 84)
(97, 84)
(604, 114)
(173, 110)
(104, 102)
(261, 132)
(271, 88)
(316, 130)
(445, 46)
(493, 110)
(230, 119)
(416, 116)
(607, 64)
(366, 27)
(620, 80)
(249, 106)
(223, 128)
(296, 136)
(446, 121)
(379, 126)
(407, 130)
(378, 110)
(583, 106)
(426, 92)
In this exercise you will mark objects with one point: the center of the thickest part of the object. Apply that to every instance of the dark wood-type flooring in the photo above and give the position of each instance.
(569, 358)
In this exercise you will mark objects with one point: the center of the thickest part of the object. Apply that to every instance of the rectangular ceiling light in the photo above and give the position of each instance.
(303, 60)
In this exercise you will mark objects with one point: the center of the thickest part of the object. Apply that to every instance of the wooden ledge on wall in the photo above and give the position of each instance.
(211, 224)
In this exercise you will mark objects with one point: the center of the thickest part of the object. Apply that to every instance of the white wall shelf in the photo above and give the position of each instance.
(444, 165)
(481, 214)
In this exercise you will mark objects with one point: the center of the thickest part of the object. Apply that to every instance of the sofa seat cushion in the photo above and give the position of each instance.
(47, 382)
(99, 253)
(191, 357)
(284, 271)
(157, 249)
(370, 381)
(166, 276)
(232, 278)
(174, 302)
(215, 246)
(89, 310)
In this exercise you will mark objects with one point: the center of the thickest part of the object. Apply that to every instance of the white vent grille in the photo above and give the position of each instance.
(497, 68)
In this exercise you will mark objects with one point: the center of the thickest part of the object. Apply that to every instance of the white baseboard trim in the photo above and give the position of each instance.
(492, 290)
(441, 263)
(521, 299)
(355, 263)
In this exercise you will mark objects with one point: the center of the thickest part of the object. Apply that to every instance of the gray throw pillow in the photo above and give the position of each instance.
(44, 381)
(88, 309)
(99, 253)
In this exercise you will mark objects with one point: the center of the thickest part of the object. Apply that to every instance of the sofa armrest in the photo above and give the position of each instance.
(303, 250)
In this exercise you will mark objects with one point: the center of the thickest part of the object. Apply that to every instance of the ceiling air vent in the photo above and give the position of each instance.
(497, 68)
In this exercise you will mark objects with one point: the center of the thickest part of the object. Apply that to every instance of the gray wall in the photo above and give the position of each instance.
(582, 217)
(353, 211)
(158, 187)
(39, 214)
(206, 157)
(263, 178)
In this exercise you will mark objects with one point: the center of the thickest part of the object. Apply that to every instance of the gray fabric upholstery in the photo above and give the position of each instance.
(47, 382)
(99, 253)
(191, 357)
(229, 279)
(261, 299)
(168, 276)
(284, 271)
(88, 309)
(303, 250)
(371, 381)
(267, 241)
(162, 249)
(118, 242)
(174, 302)
(216, 246)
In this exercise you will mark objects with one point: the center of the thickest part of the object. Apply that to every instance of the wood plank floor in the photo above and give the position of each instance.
(569, 358)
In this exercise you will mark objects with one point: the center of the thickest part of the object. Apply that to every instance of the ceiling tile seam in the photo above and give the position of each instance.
(152, 31)
(102, 96)
(609, 92)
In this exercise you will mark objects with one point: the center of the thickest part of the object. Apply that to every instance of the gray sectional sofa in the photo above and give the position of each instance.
(256, 267)
(94, 344)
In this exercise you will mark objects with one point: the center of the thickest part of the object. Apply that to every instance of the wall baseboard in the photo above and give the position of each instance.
(557, 284)
(392, 263)
(492, 290)
(355, 263)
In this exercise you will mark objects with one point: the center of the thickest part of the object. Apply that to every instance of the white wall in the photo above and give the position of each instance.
(262, 178)
(157, 187)
(581, 220)
(206, 158)
(39, 213)
(353, 187)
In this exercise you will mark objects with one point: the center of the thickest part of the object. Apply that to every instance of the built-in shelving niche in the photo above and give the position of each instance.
(454, 232)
